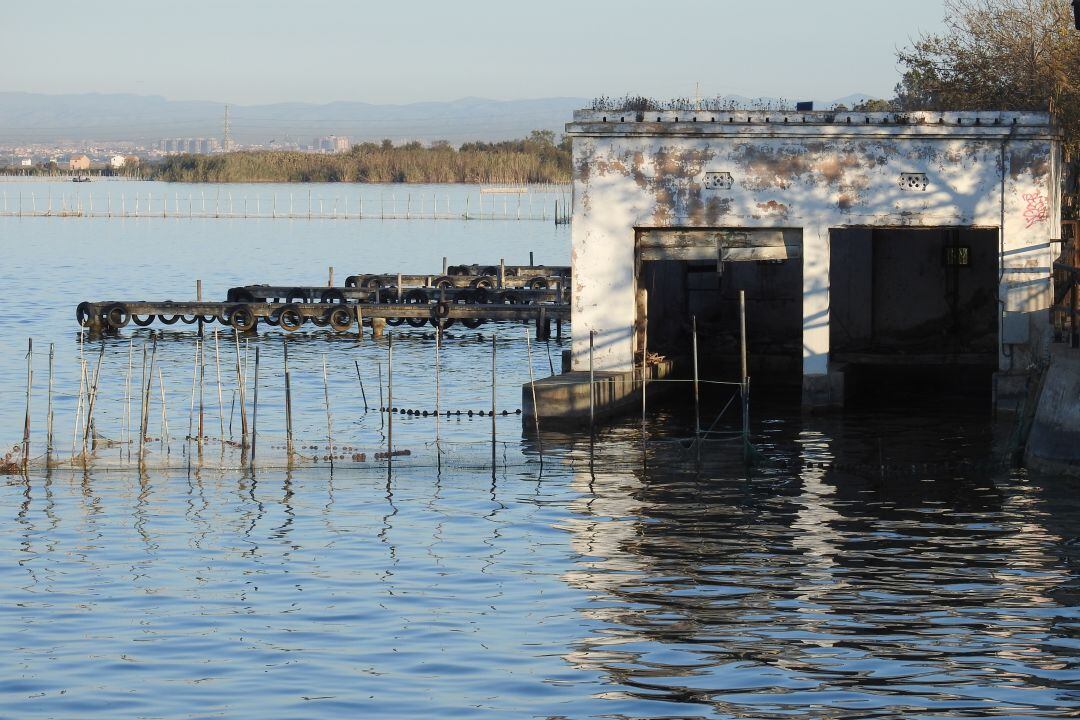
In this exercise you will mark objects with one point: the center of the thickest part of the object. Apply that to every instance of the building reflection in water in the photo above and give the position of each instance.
(807, 590)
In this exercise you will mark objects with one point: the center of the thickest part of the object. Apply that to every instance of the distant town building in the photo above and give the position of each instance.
(79, 162)
(26, 162)
(117, 161)
(341, 144)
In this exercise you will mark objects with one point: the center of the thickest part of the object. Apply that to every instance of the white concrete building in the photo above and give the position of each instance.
(862, 239)
(117, 161)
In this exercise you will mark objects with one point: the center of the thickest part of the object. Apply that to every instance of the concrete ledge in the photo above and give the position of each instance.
(565, 398)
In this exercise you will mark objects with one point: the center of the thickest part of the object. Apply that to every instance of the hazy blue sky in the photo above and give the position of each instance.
(394, 52)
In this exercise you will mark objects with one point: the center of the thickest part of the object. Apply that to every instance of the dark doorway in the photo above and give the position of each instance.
(914, 308)
(707, 290)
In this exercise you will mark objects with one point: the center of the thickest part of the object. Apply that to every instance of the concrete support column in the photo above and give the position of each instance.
(821, 388)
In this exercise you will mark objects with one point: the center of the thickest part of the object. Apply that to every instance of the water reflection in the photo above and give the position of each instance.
(610, 587)
(822, 593)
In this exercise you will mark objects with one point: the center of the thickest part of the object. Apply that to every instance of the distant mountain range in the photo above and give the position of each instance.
(32, 117)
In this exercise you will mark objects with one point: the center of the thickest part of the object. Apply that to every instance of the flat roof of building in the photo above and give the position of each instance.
(815, 122)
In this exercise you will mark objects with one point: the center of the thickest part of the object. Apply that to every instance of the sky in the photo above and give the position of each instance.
(255, 52)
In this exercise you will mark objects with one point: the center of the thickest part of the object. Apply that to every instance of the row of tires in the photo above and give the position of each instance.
(480, 295)
(242, 317)
(488, 279)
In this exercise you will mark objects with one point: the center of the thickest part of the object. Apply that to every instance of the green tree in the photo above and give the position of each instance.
(1000, 55)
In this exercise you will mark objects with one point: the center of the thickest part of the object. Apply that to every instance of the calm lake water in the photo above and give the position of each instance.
(870, 565)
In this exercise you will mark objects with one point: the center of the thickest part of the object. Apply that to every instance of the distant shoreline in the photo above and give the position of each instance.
(537, 159)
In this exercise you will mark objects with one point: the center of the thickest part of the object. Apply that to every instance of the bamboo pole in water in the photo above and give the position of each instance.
(438, 390)
(390, 394)
(697, 390)
(29, 384)
(745, 381)
(164, 413)
(194, 382)
(382, 408)
(255, 407)
(361, 381)
(78, 407)
(288, 404)
(143, 428)
(220, 403)
(240, 385)
(329, 416)
(142, 402)
(49, 410)
(202, 394)
(592, 385)
(88, 430)
(532, 387)
(493, 389)
(126, 424)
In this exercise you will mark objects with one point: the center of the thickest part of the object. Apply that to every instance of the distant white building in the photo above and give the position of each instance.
(117, 161)
(26, 162)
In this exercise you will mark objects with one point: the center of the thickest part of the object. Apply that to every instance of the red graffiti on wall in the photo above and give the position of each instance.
(1036, 210)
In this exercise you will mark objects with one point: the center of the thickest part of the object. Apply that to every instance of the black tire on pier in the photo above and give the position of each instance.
(491, 270)
(242, 318)
(513, 297)
(272, 318)
(296, 295)
(480, 296)
(194, 319)
(332, 295)
(484, 281)
(371, 282)
(539, 283)
(341, 319)
(117, 315)
(350, 282)
(416, 296)
(82, 314)
(142, 322)
(239, 294)
(168, 319)
(472, 323)
(394, 322)
(445, 323)
(290, 318)
(443, 281)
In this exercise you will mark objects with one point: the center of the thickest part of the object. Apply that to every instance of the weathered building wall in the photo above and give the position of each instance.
(811, 172)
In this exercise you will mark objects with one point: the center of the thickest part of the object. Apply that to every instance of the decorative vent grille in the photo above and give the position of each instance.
(913, 181)
(718, 181)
